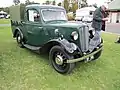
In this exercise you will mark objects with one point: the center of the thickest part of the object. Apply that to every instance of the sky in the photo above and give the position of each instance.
(5, 3)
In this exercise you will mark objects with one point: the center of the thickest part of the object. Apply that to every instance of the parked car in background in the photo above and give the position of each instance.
(85, 14)
(87, 19)
(3, 14)
(8, 16)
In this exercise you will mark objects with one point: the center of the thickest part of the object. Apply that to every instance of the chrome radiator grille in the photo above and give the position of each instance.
(84, 38)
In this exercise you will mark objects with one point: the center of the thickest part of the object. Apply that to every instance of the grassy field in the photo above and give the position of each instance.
(4, 21)
(21, 69)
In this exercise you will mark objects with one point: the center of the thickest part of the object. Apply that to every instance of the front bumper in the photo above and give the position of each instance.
(84, 57)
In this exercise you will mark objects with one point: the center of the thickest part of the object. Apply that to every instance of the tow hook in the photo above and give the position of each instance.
(86, 60)
(89, 59)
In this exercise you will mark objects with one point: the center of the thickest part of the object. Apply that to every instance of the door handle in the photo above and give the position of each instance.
(22, 22)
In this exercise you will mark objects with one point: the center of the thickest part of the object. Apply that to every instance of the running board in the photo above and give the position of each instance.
(32, 47)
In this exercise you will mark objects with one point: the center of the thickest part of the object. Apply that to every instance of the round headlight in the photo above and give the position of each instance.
(74, 35)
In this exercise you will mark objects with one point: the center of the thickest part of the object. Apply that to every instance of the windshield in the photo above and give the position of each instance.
(52, 14)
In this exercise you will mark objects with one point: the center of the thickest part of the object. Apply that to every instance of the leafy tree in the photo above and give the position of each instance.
(66, 5)
(54, 3)
(1, 9)
(33, 2)
(84, 3)
(74, 7)
(6, 9)
(47, 2)
(59, 4)
(16, 2)
(27, 2)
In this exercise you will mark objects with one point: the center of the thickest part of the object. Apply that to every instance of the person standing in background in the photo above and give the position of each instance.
(105, 14)
(99, 19)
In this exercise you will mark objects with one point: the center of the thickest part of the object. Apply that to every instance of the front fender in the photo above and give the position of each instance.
(65, 44)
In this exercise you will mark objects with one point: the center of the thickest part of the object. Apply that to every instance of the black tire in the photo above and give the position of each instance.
(64, 68)
(19, 40)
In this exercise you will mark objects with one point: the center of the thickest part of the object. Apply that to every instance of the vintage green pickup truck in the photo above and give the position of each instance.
(45, 28)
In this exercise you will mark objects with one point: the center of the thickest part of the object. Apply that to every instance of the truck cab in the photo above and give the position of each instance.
(45, 28)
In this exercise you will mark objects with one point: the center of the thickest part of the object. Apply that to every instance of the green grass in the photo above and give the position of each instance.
(21, 69)
(4, 21)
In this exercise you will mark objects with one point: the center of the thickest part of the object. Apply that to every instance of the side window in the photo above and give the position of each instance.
(33, 16)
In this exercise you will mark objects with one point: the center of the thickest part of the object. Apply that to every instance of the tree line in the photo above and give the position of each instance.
(69, 5)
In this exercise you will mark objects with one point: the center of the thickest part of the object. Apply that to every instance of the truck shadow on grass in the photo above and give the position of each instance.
(44, 56)
(79, 67)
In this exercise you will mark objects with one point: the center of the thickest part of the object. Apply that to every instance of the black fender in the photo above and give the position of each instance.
(18, 30)
(65, 44)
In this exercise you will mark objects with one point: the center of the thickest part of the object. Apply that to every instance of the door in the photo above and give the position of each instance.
(35, 30)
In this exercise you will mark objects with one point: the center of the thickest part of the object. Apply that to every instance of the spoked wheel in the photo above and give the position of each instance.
(58, 59)
(19, 40)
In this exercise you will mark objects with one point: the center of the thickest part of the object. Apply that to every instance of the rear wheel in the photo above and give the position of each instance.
(58, 59)
(19, 40)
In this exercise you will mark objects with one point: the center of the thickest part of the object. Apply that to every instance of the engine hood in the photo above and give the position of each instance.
(64, 28)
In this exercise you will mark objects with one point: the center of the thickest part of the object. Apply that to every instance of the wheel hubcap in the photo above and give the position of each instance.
(59, 60)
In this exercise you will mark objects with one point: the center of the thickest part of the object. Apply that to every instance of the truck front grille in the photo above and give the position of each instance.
(84, 38)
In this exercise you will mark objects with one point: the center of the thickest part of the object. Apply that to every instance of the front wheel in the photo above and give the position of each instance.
(58, 59)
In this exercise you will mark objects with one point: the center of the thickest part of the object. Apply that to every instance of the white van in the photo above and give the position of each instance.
(85, 14)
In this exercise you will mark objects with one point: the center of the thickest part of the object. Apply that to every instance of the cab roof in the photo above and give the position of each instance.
(44, 6)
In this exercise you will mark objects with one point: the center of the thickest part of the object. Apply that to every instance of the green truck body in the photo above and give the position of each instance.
(46, 28)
